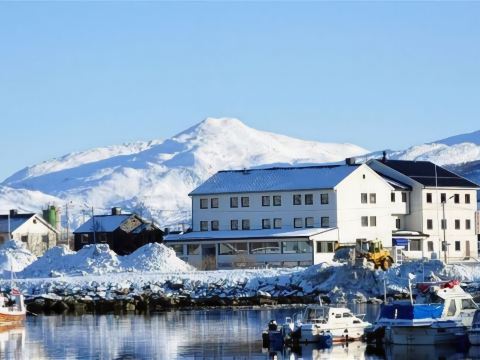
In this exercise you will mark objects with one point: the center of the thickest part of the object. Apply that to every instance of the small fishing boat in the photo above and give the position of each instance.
(12, 308)
(442, 313)
(338, 322)
(474, 332)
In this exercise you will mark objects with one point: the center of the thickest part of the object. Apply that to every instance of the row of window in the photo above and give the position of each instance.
(267, 200)
(394, 195)
(307, 222)
(443, 198)
(416, 245)
(261, 247)
(443, 224)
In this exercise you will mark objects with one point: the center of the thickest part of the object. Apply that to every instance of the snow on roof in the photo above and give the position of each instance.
(397, 185)
(103, 223)
(274, 179)
(246, 234)
(15, 222)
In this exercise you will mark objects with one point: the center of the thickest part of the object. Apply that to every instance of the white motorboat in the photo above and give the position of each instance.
(474, 332)
(318, 321)
(12, 310)
(442, 313)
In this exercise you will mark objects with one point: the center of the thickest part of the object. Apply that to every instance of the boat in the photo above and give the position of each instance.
(338, 322)
(474, 332)
(12, 308)
(442, 313)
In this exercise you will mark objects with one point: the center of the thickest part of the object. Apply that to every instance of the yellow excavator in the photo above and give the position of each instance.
(373, 251)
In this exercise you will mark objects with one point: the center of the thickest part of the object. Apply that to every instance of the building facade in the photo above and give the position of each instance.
(31, 229)
(301, 215)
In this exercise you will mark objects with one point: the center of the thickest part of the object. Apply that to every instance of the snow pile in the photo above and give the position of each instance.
(155, 258)
(14, 256)
(99, 259)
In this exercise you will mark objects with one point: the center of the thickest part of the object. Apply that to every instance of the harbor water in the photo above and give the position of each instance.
(187, 334)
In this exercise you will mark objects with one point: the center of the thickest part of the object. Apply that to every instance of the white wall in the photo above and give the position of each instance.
(350, 209)
(256, 212)
(39, 236)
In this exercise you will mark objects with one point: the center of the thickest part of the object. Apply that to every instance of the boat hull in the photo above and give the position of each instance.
(423, 335)
(11, 317)
(474, 336)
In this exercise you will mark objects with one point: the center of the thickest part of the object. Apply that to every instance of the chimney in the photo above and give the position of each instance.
(350, 161)
(166, 231)
(384, 156)
(116, 211)
(13, 212)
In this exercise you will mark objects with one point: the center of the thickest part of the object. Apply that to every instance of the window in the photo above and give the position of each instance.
(456, 198)
(45, 239)
(324, 221)
(266, 224)
(415, 245)
(373, 198)
(364, 220)
(443, 197)
(297, 222)
(457, 224)
(457, 246)
(178, 249)
(233, 224)
(245, 224)
(232, 248)
(245, 201)
(309, 222)
(84, 239)
(392, 197)
(214, 203)
(429, 245)
(296, 247)
(443, 224)
(404, 197)
(373, 221)
(323, 199)
(214, 225)
(203, 225)
(467, 198)
(270, 247)
(429, 197)
(193, 249)
(308, 199)
(468, 304)
(277, 200)
(398, 223)
(297, 199)
(429, 224)
(326, 246)
(452, 308)
(363, 198)
(234, 202)
(468, 224)
(203, 203)
(277, 223)
(265, 200)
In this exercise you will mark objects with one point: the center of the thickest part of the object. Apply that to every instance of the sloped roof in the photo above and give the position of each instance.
(275, 179)
(429, 174)
(103, 223)
(246, 234)
(15, 221)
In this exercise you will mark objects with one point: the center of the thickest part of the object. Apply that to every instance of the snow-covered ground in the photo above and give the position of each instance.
(97, 272)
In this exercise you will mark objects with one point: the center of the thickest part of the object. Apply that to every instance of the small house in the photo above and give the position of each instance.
(124, 233)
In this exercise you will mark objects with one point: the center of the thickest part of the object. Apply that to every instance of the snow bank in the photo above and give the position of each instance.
(14, 256)
(155, 257)
(99, 259)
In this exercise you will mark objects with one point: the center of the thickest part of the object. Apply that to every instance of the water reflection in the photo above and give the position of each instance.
(213, 334)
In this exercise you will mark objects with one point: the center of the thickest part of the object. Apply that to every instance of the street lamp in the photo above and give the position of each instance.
(444, 227)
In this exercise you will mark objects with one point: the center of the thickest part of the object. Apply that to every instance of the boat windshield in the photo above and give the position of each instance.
(476, 319)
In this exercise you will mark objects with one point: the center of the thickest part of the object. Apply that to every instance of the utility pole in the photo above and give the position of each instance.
(93, 222)
(444, 226)
(8, 221)
(67, 225)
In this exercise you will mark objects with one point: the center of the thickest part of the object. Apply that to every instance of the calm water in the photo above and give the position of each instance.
(212, 334)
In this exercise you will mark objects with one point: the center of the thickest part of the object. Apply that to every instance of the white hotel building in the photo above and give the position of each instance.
(299, 215)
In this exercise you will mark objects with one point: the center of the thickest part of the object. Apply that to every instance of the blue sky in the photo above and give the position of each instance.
(381, 75)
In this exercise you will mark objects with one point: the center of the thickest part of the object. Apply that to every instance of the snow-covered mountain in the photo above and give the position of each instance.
(154, 178)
